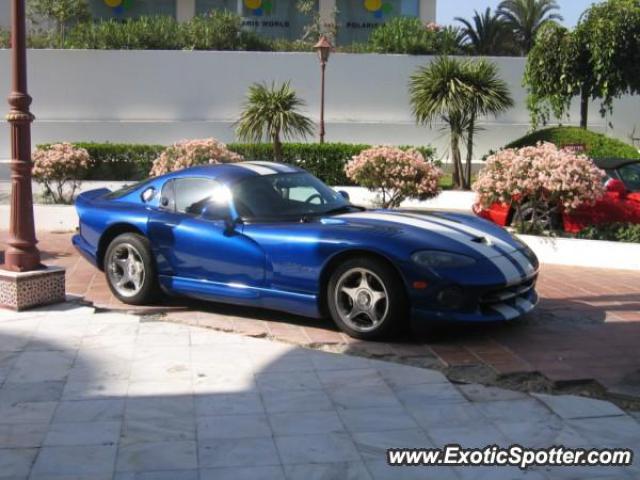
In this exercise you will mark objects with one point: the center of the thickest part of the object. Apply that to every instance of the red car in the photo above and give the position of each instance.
(620, 203)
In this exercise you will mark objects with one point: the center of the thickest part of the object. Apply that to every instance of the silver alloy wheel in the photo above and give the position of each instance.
(361, 299)
(125, 269)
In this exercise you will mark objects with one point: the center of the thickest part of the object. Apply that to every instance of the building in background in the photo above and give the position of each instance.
(271, 18)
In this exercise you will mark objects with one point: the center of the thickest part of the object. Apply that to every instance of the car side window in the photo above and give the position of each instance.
(167, 196)
(193, 194)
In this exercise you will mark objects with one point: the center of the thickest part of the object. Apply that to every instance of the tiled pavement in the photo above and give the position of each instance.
(97, 396)
(587, 325)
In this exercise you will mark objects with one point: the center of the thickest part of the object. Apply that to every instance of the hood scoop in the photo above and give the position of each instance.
(482, 240)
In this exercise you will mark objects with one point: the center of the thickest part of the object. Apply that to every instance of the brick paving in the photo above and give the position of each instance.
(587, 326)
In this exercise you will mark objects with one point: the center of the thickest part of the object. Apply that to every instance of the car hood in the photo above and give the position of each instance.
(457, 233)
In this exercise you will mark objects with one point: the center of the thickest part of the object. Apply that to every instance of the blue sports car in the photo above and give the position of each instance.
(272, 235)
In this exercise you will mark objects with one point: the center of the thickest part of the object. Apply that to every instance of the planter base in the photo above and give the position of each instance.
(24, 290)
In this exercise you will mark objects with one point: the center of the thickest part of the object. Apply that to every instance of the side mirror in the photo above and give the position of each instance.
(148, 194)
(344, 195)
(220, 212)
(614, 185)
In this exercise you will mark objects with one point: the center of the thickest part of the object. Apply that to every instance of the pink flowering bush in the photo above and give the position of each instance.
(188, 153)
(395, 174)
(59, 168)
(544, 177)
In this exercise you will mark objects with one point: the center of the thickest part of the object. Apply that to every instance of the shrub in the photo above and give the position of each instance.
(396, 173)
(410, 35)
(597, 145)
(544, 177)
(617, 232)
(59, 168)
(112, 161)
(4, 38)
(188, 153)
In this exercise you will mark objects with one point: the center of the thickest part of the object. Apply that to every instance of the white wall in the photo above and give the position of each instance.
(163, 96)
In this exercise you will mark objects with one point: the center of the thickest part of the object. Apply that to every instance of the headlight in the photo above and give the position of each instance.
(439, 259)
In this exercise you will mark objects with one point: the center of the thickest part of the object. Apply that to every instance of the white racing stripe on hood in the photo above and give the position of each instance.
(256, 168)
(510, 273)
(522, 261)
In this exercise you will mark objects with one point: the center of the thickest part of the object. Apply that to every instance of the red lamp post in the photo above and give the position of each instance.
(323, 47)
(22, 254)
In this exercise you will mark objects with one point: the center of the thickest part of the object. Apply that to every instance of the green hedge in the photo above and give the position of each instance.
(617, 232)
(597, 145)
(116, 162)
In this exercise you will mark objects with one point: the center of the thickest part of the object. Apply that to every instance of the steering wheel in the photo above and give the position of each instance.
(313, 197)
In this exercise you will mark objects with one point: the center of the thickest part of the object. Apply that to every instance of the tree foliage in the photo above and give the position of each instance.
(63, 13)
(458, 92)
(272, 112)
(487, 34)
(599, 60)
(527, 17)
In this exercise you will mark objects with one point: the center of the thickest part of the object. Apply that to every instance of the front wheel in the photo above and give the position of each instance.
(130, 269)
(366, 298)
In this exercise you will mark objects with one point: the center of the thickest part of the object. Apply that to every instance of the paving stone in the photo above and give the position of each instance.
(15, 463)
(380, 470)
(28, 435)
(515, 410)
(166, 475)
(327, 471)
(89, 411)
(373, 446)
(296, 401)
(270, 382)
(354, 378)
(155, 430)
(12, 393)
(323, 448)
(233, 426)
(376, 419)
(364, 397)
(228, 404)
(97, 461)
(429, 394)
(83, 433)
(29, 412)
(476, 438)
(481, 393)
(304, 424)
(142, 408)
(238, 452)
(243, 473)
(608, 431)
(536, 434)
(41, 367)
(572, 406)
(140, 457)
(92, 390)
(448, 416)
(402, 375)
(502, 473)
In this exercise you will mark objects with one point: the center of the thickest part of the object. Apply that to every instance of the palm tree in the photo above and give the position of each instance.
(438, 91)
(489, 96)
(487, 33)
(525, 17)
(271, 112)
(458, 92)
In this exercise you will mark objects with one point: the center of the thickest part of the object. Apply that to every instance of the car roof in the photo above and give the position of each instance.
(613, 163)
(232, 172)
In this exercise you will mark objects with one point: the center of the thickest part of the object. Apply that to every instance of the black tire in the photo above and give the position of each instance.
(550, 218)
(382, 278)
(146, 290)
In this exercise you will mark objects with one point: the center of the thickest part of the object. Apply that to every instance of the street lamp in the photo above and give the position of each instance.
(323, 47)
(24, 281)
(22, 254)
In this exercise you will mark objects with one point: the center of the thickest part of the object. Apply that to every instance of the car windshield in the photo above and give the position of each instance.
(630, 175)
(285, 195)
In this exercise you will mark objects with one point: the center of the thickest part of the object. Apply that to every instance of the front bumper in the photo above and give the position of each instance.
(498, 311)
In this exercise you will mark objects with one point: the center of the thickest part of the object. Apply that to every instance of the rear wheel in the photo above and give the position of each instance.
(366, 298)
(130, 269)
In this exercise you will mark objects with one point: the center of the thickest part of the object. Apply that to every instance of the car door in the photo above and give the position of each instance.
(197, 248)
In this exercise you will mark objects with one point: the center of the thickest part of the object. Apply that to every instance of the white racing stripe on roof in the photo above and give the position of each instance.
(259, 169)
(510, 273)
(276, 166)
(509, 313)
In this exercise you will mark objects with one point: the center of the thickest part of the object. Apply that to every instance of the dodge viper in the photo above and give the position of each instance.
(274, 236)
(620, 203)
